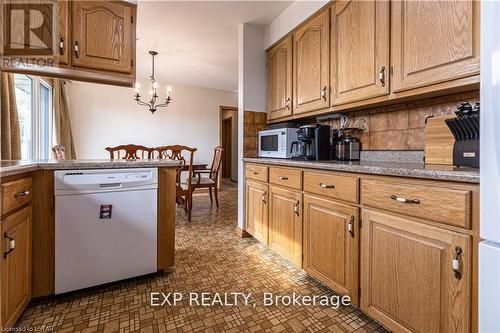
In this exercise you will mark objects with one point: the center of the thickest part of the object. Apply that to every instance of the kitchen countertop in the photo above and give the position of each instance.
(9, 168)
(414, 170)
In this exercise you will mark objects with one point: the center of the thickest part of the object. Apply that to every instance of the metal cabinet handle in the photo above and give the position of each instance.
(287, 103)
(323, 185)
(350, 226)
(22, 194)
(296, 208)
(456, 262)
(254, 172)
(404, 200)
(283, 178)
(11, 245)
(381, 76)
(323, 93)
(61, 46)
(77, 49)
(264, 198)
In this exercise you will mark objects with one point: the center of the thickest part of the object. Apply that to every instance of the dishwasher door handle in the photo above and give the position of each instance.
(111, 185)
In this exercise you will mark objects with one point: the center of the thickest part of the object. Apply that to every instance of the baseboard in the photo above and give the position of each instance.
(241, 233)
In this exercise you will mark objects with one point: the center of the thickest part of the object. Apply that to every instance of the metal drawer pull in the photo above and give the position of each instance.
(11, 246)
(296, 208)
(456, 262)
(323, 185)
(350, 226)
(254, 172)
(22, 194)
(381, 76)
(404, 200)
(77, 49)
(283, 178)
(61, 46)
(287, 103)
(264, 198)
(323, 93)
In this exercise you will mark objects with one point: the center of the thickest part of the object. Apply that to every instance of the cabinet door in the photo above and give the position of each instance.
(16, 265)
(103, 35)
(360, 50)
(408, 282)
(64, 46)
(256, 210)
(331, 241)
(279, 80)
(285, 223)
(311, 65)
(433, 42)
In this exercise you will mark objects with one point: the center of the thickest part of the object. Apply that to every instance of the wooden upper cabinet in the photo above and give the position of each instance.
(311, 65)
(279, 80)
(64, 39)
(103, 35)
(15, 266)
(408, 282)
(360, 50)
(256, 210)
(433, 42)
(285, 223)
(331, 243)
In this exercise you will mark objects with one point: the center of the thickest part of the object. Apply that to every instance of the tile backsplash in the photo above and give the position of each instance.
(402, 126)
(253, 122)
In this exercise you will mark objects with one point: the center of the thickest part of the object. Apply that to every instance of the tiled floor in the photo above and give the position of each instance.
(210, 257)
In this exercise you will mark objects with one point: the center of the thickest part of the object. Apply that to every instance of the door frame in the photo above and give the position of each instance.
(222, 109)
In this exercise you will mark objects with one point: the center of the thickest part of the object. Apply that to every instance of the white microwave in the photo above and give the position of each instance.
(277, 143)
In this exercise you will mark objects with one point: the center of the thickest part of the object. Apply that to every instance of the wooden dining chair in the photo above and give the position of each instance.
(130, 152)
(211, 178)
(59, 152)
(184, 190)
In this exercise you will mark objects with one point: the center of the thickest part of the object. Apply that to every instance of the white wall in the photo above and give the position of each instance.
(103, 115)
(291, 17)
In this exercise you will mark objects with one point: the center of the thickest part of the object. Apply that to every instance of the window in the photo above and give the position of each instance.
(34, 106)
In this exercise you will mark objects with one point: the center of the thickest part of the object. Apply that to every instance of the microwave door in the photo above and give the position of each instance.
(269, 143)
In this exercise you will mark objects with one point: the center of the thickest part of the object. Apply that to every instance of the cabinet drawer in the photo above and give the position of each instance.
(333, 186)
(287, 177)
(257, 172)
(15, 194)
(449, 206)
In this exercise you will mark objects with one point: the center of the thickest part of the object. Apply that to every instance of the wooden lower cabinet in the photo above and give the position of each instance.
(285, 223)
(331, 245)
(15, 268)
(408, 282)
(256, 195)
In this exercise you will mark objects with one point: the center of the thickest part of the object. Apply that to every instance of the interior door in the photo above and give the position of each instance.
(16, 265)
(285, 223)
(279, 78)
(360, 50)
(257, 211)
(433, 42)
(227, 146)
(331, 242)
(408, 282)
(103, 35)
(311, 65)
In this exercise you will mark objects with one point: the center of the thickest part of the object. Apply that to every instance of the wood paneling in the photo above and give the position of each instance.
(330, 249)
(279, 80)
(43, 233)
(15, 194)
(285, 223)
(444, 205)
(407, 277)
(360, 50)
(289, 177)
(311, 59)
(256, 196)
(433, 42)
(332, 185)
(15, 266)
(166, 217)
(256, 172)
(104, 33)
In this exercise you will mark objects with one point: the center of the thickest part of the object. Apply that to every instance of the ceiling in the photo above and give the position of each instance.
(197, 41)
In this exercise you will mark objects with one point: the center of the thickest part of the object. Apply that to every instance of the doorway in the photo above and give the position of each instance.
(228, 139)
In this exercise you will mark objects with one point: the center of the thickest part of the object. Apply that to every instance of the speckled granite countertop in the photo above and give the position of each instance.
(414, 170)
(9, 168)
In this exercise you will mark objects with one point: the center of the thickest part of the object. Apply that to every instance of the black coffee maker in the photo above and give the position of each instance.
(314, 143)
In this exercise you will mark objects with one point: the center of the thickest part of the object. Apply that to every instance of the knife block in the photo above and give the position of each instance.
(466, 146)
(438, 147)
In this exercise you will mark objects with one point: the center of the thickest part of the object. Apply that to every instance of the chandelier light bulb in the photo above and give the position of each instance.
(155, 85)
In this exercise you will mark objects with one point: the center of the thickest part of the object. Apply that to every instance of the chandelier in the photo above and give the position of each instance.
(153, 96)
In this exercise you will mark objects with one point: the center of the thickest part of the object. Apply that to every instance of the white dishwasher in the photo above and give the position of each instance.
(105, 226)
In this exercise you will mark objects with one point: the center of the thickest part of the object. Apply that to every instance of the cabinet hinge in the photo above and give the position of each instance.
(391, 70)
(131, 19)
